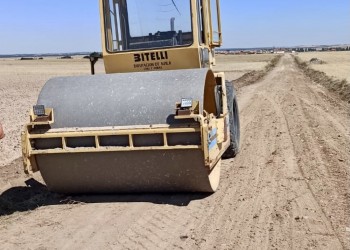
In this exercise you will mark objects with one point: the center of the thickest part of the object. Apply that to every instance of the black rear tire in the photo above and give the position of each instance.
(234, 123)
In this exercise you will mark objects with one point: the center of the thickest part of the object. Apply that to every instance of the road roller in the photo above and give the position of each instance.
(159, 120)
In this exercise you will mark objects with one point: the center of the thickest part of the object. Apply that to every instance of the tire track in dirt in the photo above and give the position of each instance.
(301, 216)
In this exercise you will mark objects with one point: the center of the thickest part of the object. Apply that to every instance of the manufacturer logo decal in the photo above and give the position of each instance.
(151, 60)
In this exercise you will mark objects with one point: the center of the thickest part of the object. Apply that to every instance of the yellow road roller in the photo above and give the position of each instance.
(159, 120)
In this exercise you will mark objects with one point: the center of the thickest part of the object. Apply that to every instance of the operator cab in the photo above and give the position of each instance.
(138, 25)
(152, 35)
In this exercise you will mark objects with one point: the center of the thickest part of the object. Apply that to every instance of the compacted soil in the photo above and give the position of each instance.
(287, 189)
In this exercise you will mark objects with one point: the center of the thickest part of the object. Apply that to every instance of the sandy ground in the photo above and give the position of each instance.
(236, 66)
(287, 189)
(336, 64)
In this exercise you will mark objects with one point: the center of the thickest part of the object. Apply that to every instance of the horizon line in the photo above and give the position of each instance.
(227, 48)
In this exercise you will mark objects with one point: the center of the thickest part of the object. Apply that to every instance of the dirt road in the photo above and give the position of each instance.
(287, 189)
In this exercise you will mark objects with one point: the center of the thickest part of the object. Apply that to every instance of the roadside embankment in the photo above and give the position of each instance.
(338, 86)
(256, 75)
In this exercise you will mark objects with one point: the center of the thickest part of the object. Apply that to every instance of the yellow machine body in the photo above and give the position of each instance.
(157, 122)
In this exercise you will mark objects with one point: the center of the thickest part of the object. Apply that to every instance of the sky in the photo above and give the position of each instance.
(41, 26)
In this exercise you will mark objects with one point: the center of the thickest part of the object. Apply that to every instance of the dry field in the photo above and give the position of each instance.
(236, 66)
(288, 188)
(337, 64)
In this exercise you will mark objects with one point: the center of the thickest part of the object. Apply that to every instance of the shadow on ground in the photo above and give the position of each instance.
(35, 194)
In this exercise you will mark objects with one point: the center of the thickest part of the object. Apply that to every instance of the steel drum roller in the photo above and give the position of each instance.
(125, 100)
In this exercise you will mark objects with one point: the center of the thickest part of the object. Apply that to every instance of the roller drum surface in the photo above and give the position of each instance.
(121, 99)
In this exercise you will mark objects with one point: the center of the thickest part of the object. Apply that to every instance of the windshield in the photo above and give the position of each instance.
(139, 24)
